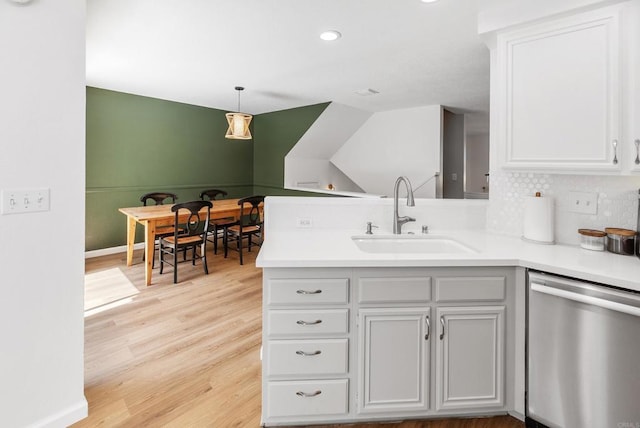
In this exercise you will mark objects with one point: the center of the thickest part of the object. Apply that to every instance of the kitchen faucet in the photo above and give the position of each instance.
(397, 220)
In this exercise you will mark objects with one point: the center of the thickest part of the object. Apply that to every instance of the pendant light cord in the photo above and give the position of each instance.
(239, 89)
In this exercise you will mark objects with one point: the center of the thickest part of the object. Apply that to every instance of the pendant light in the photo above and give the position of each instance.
(238, 122)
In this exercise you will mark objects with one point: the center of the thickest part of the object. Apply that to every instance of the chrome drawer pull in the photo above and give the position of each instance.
(614, 143)
(442, 323)
(301, 322)
(308, 354)
(637, 143)
(304, 394)
(309, 292)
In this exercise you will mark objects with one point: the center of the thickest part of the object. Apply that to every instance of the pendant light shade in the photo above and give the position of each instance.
(238, 122)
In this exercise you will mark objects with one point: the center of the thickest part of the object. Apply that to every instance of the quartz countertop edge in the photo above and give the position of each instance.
(335, 248)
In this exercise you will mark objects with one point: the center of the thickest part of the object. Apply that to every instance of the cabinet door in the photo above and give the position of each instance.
(560, 94)
(469, 357)
(394, 359)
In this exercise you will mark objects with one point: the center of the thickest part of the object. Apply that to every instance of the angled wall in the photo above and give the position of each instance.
(394, 143)
(308, 164)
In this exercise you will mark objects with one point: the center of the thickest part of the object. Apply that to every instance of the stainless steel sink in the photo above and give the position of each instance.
(410, 244)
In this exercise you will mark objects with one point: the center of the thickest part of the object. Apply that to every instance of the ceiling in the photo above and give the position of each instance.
(197, 51)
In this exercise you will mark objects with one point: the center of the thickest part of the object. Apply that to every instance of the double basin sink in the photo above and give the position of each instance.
(411, 244)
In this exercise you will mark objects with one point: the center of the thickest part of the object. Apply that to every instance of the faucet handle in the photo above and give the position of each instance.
(369, 226)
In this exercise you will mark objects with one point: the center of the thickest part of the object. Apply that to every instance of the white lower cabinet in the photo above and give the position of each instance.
(394, 359)
(306, 346)
(469, 357)
(346, 345)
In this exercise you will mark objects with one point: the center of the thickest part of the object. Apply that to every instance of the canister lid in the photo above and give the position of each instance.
(592, 232)
(619, 232)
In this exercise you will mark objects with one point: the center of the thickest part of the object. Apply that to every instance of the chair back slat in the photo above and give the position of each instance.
(158, 198)
(253, 217)
(195, 224)
(212, 194)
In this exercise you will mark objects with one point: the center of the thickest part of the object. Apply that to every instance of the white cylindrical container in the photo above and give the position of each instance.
(538, 224)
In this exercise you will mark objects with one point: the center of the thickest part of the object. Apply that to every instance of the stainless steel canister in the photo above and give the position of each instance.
(621, 241)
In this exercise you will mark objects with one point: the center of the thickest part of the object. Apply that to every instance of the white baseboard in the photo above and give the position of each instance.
(111, 250)
(516, 415)
(65, 417)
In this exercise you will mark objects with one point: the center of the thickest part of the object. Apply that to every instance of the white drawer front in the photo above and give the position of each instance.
(409, 289)
(308, 398)
(307, 322)
(307, 291)
(455, 289)
(307, 357)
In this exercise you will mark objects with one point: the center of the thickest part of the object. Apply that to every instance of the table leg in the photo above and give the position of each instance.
(149, 244)
(131, 238)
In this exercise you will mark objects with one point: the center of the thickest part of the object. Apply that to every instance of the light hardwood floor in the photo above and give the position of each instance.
(187, 354)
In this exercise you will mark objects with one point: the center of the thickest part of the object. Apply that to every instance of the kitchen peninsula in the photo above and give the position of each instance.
(357, 334)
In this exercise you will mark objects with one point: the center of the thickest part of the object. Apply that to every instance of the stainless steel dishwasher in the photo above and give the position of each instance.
(583, 354)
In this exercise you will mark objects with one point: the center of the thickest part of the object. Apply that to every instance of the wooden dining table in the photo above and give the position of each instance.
(154, 216)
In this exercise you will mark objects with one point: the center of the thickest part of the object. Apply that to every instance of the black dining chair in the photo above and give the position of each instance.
(159, 198)
(248, 226)
(217, 227)
(190, 234)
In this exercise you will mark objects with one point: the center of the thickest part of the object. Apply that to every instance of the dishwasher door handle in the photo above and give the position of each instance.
(589, 300)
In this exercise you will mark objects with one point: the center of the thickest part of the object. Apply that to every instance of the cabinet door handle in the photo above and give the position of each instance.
(637, 143)
(308, 394)
(614, 143)
(426, 321)
(442, 324)
(309, 292)
(301, 322)
(308, 354)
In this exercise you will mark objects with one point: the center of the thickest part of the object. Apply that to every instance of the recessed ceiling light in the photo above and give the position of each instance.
(330, 35)
(428, 1)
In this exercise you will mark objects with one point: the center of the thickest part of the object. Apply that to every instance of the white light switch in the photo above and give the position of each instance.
(25, 201)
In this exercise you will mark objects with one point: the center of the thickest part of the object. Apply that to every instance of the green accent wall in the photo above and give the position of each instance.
(136, 145)
(274, 135)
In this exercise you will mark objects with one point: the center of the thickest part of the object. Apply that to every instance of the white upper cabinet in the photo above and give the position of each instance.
(559, 94)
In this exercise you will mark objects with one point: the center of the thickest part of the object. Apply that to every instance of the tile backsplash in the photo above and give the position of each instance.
(617, 202)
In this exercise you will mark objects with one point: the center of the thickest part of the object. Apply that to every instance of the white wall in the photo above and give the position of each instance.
(393, 143)
(42, 114)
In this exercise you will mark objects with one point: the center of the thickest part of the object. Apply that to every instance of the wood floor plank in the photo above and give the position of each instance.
(188, 354)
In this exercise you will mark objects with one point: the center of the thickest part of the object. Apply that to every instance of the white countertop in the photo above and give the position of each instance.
(335, 248)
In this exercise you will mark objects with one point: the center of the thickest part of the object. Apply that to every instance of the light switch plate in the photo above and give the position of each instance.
(583, 202)
(18, 201)
(304, 222)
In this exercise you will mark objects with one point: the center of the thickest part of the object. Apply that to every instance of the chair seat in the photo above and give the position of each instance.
(224, 221)
(245, 230)
(187, 240)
